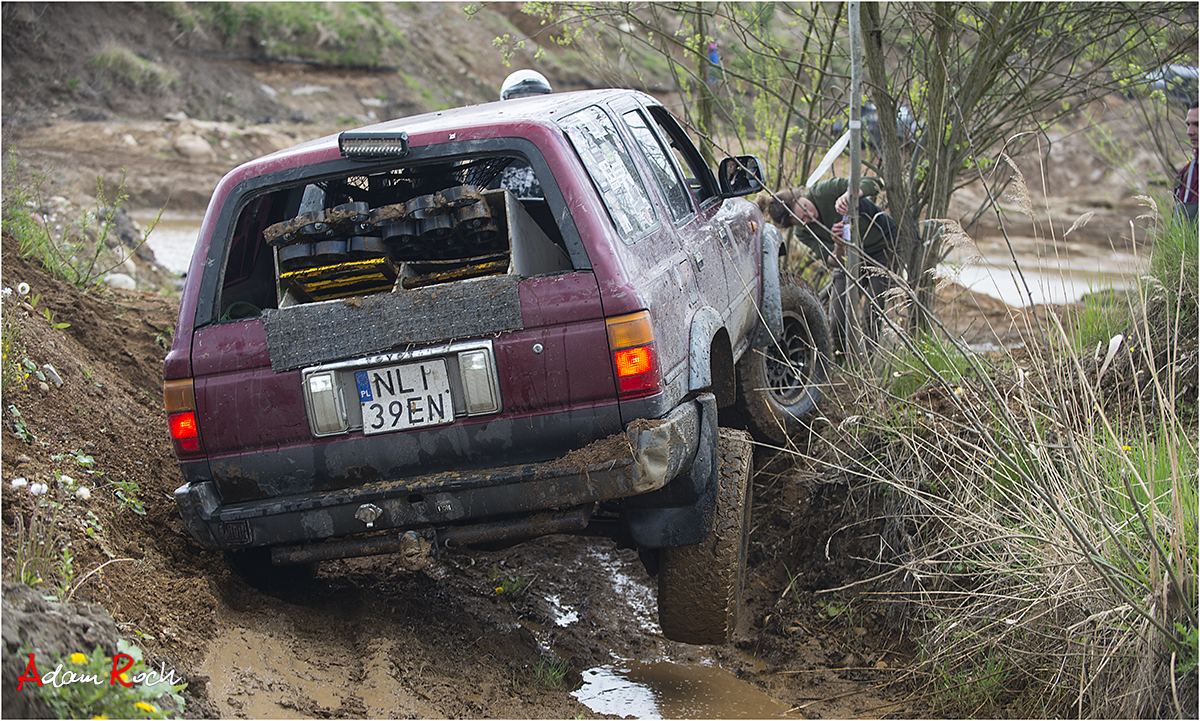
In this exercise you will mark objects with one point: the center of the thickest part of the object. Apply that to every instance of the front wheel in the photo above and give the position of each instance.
(781, 385)
(700, 586)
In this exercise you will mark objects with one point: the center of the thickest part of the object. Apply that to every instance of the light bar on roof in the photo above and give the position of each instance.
(359, 144)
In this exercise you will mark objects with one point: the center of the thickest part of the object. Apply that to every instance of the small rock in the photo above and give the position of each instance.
(847, 661)
(52, 375)
(43, 387)
(176, 117)
(129, 140)
(120, 280)
(881, 665)
(22, 460)
(194, 147)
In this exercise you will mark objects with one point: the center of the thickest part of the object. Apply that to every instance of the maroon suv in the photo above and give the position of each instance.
(474, 327)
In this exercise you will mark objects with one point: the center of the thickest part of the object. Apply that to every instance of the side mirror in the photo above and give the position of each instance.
(741, 175)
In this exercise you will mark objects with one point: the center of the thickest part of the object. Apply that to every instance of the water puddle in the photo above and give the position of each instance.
(564, 615)
(665, 690)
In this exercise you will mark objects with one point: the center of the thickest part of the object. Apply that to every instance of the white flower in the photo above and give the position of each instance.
(19, 483)
(66, 481)
(6, 291)
(22, 288)
(83, 493)
(38, 489)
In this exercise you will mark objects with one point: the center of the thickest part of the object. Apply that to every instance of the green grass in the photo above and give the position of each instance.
(70, 243)
(1098, 317)
(550, 672)
(929, 357)
(125, 64)
(1175, 270)
(345, 34)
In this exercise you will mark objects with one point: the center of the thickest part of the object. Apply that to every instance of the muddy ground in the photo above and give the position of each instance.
(478, 634)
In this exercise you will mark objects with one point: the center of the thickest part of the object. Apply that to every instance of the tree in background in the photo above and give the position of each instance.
(967, 84)
(983, 82)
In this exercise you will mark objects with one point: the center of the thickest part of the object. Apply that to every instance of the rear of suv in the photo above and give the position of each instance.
(483, 325)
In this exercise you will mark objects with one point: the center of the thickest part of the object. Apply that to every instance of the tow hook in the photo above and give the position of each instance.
(414, 551)
(368, 513)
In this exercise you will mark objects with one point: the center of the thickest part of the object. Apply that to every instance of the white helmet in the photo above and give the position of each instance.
(523, 83)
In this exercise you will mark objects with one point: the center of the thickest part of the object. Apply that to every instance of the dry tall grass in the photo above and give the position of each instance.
(1039, 517)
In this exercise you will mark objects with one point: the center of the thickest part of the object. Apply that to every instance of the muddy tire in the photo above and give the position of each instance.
(780, 386)
(700, 586)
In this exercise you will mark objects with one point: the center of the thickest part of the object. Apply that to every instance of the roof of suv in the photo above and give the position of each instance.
(538, 110)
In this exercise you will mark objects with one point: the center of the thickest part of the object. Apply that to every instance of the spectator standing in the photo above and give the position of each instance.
(819, 211)
(1187, 183)
(714, 64)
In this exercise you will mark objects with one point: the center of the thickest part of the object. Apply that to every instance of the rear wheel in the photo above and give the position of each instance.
(781, 385)
(700, 586)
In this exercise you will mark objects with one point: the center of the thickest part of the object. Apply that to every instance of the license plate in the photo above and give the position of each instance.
(398, 398)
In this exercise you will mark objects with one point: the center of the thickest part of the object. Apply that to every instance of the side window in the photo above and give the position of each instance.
(607, 161)
(249, 284)
(668, 178)
(699, 176)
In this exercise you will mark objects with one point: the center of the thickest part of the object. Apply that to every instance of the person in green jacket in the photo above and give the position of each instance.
(818, 213)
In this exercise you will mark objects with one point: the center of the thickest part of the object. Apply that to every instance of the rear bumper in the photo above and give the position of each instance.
(654, 453)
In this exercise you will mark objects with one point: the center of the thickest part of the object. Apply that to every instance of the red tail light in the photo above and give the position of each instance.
(631, 340)
(179, 398)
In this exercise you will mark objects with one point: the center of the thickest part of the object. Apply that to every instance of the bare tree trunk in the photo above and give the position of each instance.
(937, 136)
(896, 177)
(704, 99)
(853, 326)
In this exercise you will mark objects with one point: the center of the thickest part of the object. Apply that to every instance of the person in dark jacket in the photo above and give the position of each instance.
(1187, 182)
(820, 214)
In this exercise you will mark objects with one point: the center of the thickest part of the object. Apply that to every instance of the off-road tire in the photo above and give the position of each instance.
(700, 586)
(780, 386)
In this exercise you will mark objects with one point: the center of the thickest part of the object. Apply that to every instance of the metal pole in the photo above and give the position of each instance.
(853, 327)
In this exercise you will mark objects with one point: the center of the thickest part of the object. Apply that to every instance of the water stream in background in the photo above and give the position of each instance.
(173, 238)
(1050, 279)
(1048, 273)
